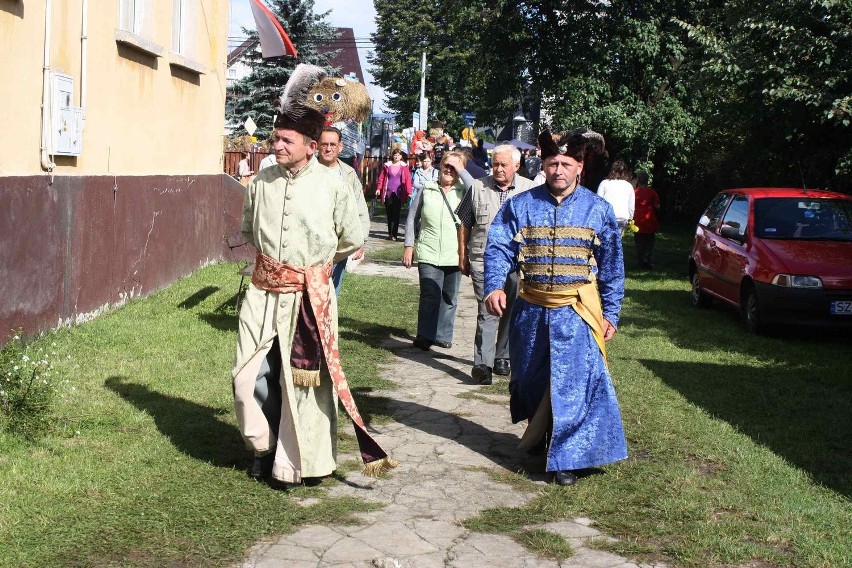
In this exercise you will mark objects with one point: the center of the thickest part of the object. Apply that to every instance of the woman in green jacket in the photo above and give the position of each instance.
(436, 250)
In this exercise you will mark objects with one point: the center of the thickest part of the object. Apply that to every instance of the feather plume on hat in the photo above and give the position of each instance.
(304, 78)
(293, 112)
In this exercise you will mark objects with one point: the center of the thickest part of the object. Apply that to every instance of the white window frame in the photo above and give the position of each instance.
(134, 16)
(184, 13)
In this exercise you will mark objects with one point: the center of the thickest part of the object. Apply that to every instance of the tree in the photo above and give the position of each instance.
(784, 79)
(256, 95)
(704, 94)
(404, 31)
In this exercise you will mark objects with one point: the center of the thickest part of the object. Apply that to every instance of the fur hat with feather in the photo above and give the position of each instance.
(293, 112)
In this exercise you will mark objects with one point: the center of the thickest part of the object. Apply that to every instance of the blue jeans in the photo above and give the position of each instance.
(439, 291)
(337, 274)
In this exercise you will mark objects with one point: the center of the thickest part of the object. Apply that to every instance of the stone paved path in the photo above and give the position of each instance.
(446, 444)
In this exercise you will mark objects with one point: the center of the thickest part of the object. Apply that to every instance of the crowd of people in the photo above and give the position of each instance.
(544, 257)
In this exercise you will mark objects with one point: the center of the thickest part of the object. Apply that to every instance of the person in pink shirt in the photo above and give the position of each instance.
(393, 188)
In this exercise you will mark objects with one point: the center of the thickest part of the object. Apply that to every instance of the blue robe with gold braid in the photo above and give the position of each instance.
(570, 249)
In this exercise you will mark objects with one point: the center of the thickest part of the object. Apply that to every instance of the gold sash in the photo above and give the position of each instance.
(585, 300)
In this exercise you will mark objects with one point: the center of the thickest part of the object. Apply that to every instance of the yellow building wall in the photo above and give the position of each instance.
(143, 114)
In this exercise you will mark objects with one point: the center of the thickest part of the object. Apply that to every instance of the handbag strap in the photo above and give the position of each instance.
(450, 209)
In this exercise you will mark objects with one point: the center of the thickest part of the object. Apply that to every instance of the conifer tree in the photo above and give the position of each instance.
(256, 95)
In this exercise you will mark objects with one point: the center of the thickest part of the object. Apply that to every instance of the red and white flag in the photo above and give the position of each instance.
(274, 41)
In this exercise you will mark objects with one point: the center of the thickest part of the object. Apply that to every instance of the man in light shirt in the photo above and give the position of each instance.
(330, 146)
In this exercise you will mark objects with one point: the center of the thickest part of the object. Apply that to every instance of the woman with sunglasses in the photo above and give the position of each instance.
(436, 250)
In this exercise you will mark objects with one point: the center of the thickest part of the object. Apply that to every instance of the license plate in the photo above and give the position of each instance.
(841, 308)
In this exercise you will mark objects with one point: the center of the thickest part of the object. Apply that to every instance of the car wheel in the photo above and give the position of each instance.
(751, 311)
(699, 298)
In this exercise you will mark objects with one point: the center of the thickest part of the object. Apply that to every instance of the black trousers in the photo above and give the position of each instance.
(393, 206)
(644, 248)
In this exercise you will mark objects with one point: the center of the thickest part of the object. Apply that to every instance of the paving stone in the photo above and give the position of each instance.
(585, 521)
(349, 549)
(569, 529)
(588, 558)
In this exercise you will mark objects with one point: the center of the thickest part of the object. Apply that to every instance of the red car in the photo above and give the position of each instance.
(779, 255)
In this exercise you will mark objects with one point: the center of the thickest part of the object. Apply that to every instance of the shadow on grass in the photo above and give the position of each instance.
(671, 252)
(368, 333)
(223, 318)
(719, 327)
(194, 429)
(793, 397)
(800, 415)
(198, 297)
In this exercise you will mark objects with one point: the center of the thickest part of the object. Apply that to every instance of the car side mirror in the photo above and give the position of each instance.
(731, 232)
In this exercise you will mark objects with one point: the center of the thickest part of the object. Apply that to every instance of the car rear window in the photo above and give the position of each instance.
(803, 218)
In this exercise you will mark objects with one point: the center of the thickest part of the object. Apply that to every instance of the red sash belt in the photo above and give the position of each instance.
(317, 323)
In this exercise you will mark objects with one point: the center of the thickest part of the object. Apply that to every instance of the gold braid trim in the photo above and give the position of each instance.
(562, 251)
(537, 269)
(305, 377)
(555, 287)
(581, 233)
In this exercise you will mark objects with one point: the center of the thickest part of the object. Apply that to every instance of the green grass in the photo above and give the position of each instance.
(388, 250)
(391, 252)
(740, 451)
(740, 446)
(145, 466)
(544, 543)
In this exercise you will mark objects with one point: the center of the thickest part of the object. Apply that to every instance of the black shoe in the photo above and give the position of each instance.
(481, 374)
(565, 477)
(501, 367)
(279, 485)
(422, 343)
(262, 466)
(443, 344)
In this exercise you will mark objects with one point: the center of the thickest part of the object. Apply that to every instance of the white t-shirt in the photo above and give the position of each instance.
(619, 193)
(270, 160)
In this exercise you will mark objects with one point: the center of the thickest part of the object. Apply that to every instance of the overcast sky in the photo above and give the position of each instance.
(360, 15)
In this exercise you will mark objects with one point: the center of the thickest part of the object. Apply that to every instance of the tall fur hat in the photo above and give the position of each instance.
(293, 110)
(579, 144)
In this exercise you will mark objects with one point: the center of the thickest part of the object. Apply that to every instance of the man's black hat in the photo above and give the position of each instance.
(578, 144)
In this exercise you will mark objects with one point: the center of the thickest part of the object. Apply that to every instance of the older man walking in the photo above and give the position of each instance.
(330, 145)
(287, 376)
(476, 211)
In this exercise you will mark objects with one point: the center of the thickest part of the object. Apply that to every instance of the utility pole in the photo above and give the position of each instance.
(424, 102)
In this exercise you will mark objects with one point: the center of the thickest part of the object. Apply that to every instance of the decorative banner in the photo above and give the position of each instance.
(274, 41)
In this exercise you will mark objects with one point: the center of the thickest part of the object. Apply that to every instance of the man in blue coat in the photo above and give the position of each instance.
(566, 242)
